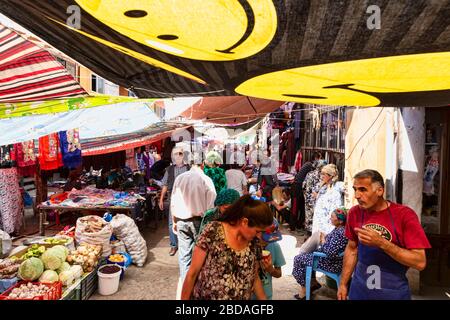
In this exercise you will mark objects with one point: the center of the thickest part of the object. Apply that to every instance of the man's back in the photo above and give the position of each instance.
(193, 194)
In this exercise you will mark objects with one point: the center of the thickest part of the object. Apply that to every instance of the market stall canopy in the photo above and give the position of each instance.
(229, 110)
(108, 120)
(349, 52)
(24, 109)
(30, 73)
(153, 133)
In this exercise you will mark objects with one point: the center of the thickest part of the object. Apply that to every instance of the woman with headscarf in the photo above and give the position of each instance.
(311, 186)
(224, 199)
(212, 162)
(329, 197)
(332, 245)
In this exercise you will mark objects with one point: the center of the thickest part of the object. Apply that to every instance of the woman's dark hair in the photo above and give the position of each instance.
(257, 212)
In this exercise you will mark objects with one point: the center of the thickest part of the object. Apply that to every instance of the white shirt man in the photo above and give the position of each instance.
(193, 193)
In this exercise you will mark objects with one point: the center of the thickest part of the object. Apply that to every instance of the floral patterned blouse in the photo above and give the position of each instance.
(328, 199)
(226, 274)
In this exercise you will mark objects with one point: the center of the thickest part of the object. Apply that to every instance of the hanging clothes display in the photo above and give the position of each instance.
(50, 156)
(6, 156)
(298, 161)
(148, 161)
(25, 158)
(70, 148)
(11, 204)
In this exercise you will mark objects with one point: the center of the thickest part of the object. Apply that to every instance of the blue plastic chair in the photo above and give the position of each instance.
(335, 276)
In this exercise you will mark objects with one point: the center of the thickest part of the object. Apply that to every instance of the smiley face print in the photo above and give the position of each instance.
(211, 30)
(358, 82)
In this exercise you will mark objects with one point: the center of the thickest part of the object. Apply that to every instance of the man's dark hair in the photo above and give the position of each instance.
(374, 176)
(317, 155)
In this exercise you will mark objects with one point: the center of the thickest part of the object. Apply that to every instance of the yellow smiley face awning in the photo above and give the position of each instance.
(349, 52)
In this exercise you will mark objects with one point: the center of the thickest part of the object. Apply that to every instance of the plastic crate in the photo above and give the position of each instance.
(53, 294)
(74, 294)
(89, 284)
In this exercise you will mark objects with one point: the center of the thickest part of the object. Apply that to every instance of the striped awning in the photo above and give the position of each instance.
(30, 73)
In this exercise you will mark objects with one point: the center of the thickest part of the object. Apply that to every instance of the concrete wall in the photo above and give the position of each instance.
(85, 79)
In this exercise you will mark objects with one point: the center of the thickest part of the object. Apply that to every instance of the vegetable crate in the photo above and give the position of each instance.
(89, 284)
(53, 294)
(74, 294)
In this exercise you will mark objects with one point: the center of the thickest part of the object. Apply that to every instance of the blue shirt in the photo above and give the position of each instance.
(278, 261)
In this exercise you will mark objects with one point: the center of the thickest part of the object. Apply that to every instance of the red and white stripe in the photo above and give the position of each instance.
(29, 73)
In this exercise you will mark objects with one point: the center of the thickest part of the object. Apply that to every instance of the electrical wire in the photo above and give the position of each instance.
(368, 129)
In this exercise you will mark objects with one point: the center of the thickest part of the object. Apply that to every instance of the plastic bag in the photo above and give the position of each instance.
(88, 230)
(5, 243)
(126, 230)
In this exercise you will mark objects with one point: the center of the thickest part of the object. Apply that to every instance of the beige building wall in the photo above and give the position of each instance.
(85, 79)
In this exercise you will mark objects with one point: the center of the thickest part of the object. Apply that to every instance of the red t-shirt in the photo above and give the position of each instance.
(407, 225)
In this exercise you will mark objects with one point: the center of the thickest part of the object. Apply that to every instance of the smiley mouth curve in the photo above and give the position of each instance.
(250, 26)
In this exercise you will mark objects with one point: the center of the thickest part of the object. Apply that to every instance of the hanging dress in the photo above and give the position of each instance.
(50, 156)
(70, 148)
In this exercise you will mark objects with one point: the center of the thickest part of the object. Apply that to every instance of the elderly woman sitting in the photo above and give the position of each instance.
(332, 245)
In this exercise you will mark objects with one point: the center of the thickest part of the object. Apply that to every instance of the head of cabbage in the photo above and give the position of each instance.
(53, 258)
(49, 276)
(31, 269)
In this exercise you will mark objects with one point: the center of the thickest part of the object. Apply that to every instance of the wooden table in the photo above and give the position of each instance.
(61, 209)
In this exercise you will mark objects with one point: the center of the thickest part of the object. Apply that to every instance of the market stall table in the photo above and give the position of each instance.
(43, 209)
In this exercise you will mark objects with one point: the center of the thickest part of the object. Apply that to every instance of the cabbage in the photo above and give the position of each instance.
(77, 271)
(49, 276)
(66, 277)
(52, 259)
(63, 248)
(60, 252)
(64, 267)
(31, 269)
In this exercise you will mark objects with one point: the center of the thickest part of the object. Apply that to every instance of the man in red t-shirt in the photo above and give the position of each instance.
(385, 239)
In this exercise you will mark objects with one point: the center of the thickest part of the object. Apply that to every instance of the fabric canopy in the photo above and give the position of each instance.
(30, 73)
(349, 52)
(23, 109)
(228, 110)
(103, 121)
(143, 137)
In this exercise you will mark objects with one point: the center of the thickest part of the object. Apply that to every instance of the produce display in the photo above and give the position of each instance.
(116, 258)
(49, 276)
(31, 269)
(61, 241)
(29, 291)
(126, 230)
(34, 251)
(9, 268)
(94, 230)
(86, 255)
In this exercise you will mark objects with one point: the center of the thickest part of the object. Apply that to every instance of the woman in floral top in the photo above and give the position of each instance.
(225, 260)
(311, 187)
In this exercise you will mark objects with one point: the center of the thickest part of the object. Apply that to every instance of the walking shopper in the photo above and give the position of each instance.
(385, 240)
(178, 167)
(212, 162)
(330, 197)
(225, 260)
(297, 195)
(224, 199)
(193, 194)
(311, 187)
(236, 179)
